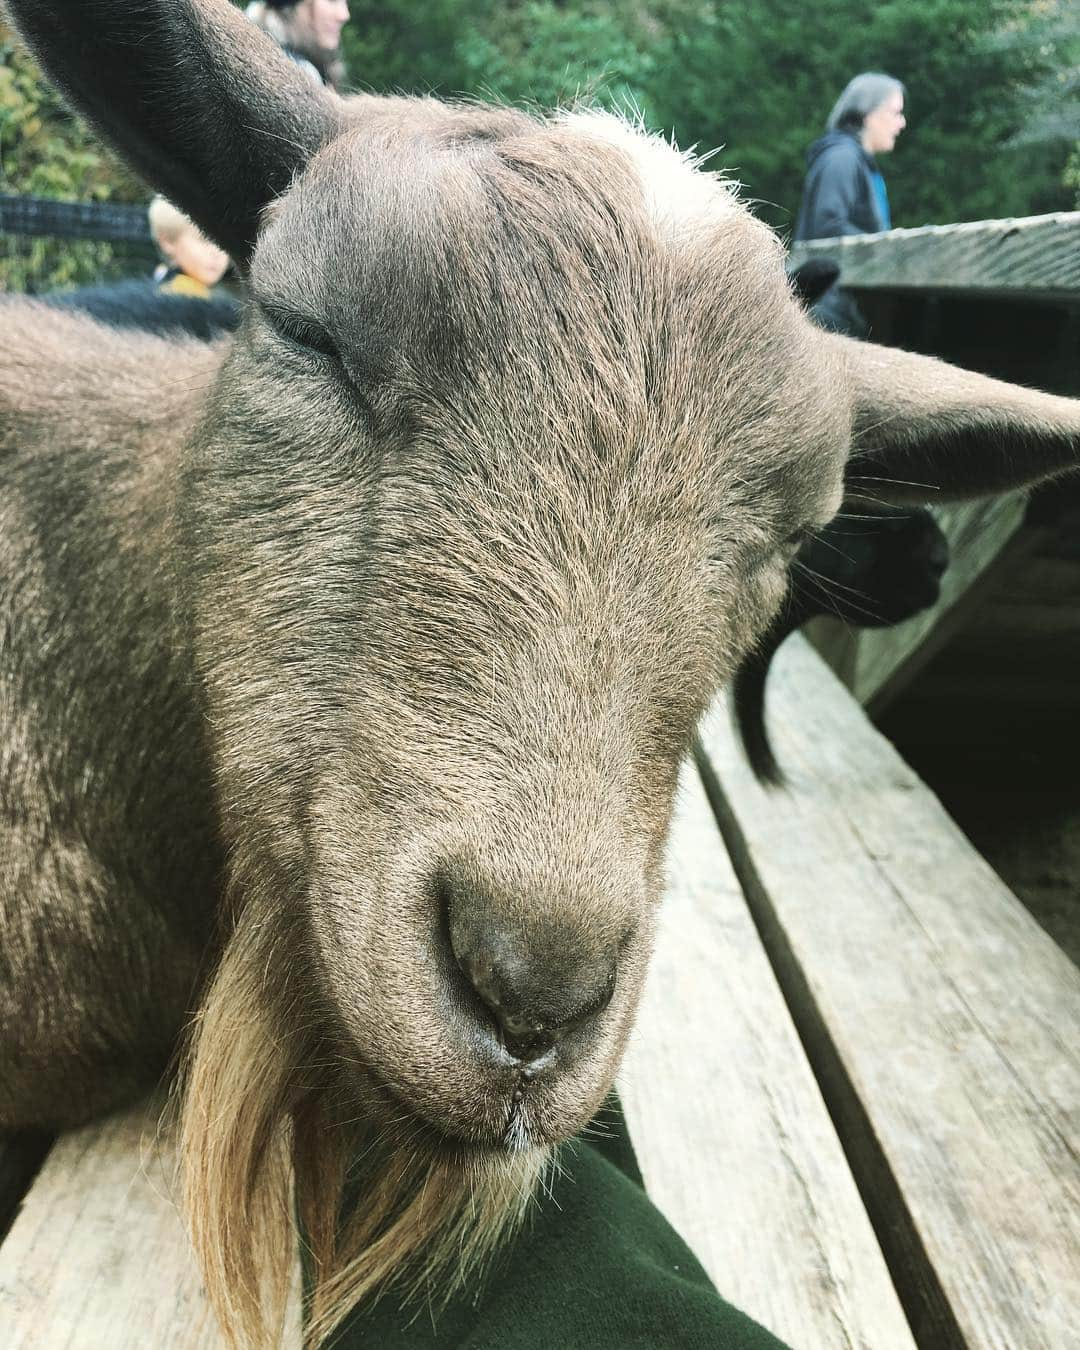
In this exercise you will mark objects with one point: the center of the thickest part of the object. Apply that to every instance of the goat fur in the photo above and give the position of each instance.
(399, 606)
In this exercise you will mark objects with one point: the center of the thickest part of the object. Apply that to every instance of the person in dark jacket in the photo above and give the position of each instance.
(844, 192)
(879, 566)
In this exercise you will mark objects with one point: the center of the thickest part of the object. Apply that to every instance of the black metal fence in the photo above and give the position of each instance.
(47, 244)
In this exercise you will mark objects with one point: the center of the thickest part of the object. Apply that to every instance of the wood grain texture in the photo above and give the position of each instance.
(97, 1258)
(876, 663)
(729, 1126)
(1036, 257)
(943, 1023)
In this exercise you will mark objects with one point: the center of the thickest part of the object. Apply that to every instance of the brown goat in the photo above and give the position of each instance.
(346, 667)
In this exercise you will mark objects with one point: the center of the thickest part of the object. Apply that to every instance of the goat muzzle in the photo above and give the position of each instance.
(535, 984)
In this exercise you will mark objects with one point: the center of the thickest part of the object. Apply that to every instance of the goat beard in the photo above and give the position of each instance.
(270, 1135)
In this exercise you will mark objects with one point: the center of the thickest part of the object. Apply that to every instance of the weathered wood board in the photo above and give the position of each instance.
(735, 1144)
(1033, 256)
(943, 1023)
(97, 1258)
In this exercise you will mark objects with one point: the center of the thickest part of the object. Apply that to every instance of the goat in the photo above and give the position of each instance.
(346, 665)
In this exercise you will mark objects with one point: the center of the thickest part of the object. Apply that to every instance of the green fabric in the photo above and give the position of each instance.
(596, 1268)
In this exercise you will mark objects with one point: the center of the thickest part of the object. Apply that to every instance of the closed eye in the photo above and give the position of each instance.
(302, 332)
(309, 339)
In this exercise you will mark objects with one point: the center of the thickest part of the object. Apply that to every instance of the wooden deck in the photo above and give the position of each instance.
(942, 1023)
(97, 1258)
(854, 1087)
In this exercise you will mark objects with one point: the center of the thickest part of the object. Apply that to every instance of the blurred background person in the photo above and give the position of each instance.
(844, 191)
(309, 31)
(183, 294)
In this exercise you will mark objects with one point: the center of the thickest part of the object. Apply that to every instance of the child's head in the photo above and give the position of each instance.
(184, 245)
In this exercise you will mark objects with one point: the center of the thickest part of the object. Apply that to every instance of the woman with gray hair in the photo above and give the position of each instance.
(844, 191)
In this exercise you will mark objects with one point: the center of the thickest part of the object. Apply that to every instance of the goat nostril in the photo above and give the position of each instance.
(534, 980)
(529, 1019)
(480, 973)
(529, 1045)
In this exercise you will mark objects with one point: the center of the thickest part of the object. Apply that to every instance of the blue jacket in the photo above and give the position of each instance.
(844, 192)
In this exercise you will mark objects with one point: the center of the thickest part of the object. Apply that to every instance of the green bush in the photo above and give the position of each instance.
(45, 150)
(987, 81)
(759, 77)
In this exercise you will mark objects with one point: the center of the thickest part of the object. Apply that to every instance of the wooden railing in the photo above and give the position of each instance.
(1036, 257)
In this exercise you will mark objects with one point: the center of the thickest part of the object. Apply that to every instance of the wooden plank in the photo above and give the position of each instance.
(97, 1256)
(729, 1126)
(1034, 257)
(877, 663)
(1038, 601)
(943, 1023)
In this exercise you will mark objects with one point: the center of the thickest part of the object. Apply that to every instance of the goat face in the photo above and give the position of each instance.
(500, 477)
(487, 509)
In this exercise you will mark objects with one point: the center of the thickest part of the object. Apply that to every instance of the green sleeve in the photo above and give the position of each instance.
(596, 1267)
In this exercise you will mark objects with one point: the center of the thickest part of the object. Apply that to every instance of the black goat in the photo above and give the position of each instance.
(871, 569)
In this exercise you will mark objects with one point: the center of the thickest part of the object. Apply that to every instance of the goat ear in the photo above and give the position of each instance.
(195, 98)
(927, 431)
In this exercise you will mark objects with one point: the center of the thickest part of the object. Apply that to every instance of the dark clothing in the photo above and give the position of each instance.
(138, 303)
(837, 312)
(595, 1267)
(844, 191)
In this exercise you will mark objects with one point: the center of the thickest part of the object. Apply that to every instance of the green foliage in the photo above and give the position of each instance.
(992, 94)
(1049, 40)
(760, 77)
(1050, 106)
(47, 151)
(538, 51)
(545, 53)
(407, 47)
(1072, 173)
